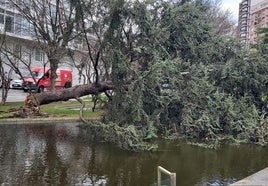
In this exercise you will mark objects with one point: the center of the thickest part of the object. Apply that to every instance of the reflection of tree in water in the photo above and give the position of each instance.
(94, 172)
(83, 162)
(105, 161)
(8, 153)
(56, 171)
(123, 168)
(50, 155)
(47, 168)
(94, 163)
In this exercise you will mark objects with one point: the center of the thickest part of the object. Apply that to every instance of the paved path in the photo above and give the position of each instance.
(15, 95)
(258, 179)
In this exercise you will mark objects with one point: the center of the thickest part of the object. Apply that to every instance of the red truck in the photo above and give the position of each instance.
(42, 79)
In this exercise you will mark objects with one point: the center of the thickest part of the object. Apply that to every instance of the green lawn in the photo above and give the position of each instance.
(57, 109)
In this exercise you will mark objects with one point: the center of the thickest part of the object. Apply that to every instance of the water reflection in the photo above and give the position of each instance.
(61, 155)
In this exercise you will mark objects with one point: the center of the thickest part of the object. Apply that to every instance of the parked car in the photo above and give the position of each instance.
(16, 83)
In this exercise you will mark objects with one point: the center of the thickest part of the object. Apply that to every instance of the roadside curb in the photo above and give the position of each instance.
(40, 121)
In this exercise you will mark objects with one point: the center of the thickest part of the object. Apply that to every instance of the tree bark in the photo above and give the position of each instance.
(37, 99)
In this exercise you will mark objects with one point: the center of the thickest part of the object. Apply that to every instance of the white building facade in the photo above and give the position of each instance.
(20, 39)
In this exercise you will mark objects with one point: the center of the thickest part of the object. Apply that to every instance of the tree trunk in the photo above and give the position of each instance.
(5, 89)
(34, 100)
(53, 69)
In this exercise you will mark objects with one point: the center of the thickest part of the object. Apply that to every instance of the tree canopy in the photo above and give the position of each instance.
(166, 70)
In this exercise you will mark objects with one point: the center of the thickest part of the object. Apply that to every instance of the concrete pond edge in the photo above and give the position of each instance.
(49, 120)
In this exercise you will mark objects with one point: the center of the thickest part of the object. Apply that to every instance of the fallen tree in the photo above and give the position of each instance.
(37, 99)
(34, 100)
(125, 137)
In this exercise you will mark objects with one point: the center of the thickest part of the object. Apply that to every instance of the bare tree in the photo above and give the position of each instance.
(17, 58)
(93, 20)
(5, 77)
(221, 19)
(53, 27)
(12, 61)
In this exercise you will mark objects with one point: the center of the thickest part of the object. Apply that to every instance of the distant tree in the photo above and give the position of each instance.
(222, 20)
(53, 27)
(263, 33)
(5, 79)
(14, 60)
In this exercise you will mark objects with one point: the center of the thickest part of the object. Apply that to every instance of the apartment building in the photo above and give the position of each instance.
(21, 39)
(253, 14)
(243, 21)
(258, 19)
(18, 33)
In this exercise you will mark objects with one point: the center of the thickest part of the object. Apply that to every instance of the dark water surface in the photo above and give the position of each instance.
(60, 155)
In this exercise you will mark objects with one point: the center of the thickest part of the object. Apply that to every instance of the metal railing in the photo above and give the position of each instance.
(161, 170)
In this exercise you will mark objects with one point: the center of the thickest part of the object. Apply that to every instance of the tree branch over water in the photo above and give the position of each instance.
(37, 99)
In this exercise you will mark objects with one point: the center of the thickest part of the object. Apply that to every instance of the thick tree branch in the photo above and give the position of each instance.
(34, 100)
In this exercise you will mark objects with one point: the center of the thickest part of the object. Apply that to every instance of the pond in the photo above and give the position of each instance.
(60, 154)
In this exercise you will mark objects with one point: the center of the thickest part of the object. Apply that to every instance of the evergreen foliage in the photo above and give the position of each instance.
(264, 35)
(174, 75)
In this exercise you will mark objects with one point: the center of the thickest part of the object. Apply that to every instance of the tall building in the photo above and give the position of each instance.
(243, 21)
(253, 14)
(258, 19)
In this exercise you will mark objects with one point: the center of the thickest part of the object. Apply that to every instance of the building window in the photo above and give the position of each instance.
(243, 35)
(244, 16)
(18, 24)
(245, 9)
(244, 22)
(53, 11)
(25, 27)
(39, 55)
(2, 17)
(2, 3)
(9, 4)
(17, 50)
(9, 22)
(9, 26)
(245, 3)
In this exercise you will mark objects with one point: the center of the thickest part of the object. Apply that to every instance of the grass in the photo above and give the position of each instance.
(56, 109)
(70, 109)
(5, 110)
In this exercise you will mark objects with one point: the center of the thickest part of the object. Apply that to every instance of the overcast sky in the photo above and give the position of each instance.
(233, 6)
